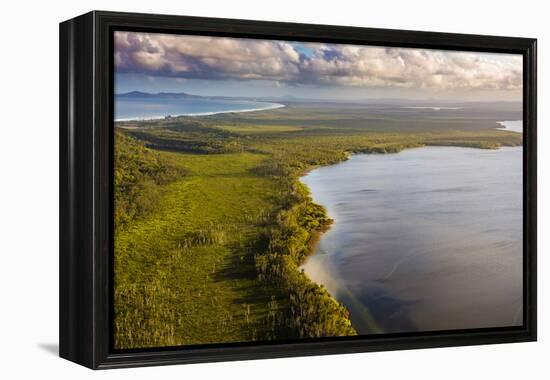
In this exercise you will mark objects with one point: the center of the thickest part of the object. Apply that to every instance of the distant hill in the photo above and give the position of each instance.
(163, 95)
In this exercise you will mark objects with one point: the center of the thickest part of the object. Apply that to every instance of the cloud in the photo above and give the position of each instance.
(200, 57)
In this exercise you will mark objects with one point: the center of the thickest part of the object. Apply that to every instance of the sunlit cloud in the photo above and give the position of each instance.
(293, 63)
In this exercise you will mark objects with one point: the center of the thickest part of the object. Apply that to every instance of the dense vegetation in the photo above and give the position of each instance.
(139, 171)
(212, 223)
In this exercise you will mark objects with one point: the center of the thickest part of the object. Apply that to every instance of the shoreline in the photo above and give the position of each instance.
(272, 106)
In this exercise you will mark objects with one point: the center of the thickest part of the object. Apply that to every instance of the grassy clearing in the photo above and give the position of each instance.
(184, 273)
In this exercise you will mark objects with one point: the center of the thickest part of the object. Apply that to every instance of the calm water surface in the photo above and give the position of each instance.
(512, 125)
(426, 239)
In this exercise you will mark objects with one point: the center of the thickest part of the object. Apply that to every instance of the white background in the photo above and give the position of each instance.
(29, 188)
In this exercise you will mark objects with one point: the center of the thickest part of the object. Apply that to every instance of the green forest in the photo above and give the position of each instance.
(212, 222)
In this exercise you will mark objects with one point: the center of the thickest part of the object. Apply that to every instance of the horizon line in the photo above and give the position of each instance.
(293, 97)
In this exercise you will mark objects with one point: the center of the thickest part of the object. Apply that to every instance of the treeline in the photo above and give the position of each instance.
(312, 311)
(190, 137)
(138, 172)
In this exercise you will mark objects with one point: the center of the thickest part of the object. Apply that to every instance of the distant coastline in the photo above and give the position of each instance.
(261, 106)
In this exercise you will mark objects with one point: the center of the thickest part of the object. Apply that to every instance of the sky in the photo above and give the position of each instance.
(219, 66)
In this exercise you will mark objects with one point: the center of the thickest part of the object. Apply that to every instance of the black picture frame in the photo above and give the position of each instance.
(86, 188)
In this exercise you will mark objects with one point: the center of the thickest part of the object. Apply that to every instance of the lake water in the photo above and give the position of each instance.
(512, 125)
(425, 239)
(155, 107)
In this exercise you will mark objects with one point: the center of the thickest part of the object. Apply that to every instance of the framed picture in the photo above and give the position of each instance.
(236, 189)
